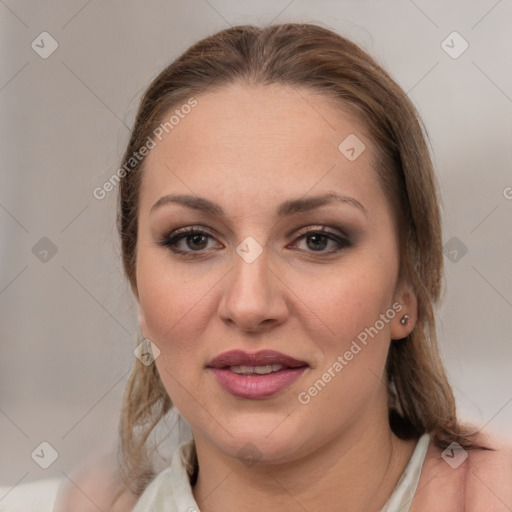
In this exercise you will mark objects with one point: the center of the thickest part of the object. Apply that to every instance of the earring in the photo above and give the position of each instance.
(404, 320)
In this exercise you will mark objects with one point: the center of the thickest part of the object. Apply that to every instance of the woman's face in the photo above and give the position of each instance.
(277, 243)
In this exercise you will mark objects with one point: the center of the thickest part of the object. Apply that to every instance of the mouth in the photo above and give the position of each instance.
(256, 370)
(255, 375)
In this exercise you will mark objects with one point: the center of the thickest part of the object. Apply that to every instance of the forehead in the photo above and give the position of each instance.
(248, 138)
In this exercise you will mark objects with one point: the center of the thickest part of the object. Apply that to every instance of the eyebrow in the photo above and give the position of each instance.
(289, 207)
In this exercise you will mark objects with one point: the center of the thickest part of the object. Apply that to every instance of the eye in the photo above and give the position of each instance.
(189, 240)
(320, 240)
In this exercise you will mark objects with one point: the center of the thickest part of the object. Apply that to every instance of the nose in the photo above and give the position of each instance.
(253, 299)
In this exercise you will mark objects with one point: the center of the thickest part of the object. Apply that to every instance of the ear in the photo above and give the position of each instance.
(405, 302)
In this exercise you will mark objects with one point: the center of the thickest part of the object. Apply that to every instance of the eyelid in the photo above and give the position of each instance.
(335, 232)
(321, 228)
(337, 236)
(192, 228)
(167, 239)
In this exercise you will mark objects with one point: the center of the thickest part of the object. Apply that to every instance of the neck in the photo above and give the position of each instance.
(356, 471)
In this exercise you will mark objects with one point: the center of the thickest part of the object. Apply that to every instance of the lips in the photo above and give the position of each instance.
(261, 358)
(255, 375)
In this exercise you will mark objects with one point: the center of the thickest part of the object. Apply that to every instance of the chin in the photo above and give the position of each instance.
(260, 450)
(261, 439)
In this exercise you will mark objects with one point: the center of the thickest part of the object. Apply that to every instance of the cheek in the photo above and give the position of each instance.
(350, 303)
(174, 315)
(354, 341)
(350, 298)
(171, 300)
(177, 309)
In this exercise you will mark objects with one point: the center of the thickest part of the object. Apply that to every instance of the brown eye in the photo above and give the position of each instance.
(317, 242)
(190, 241)
(197, 242)
(321, 240)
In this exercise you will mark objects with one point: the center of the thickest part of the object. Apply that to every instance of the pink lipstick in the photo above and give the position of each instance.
(255, 375)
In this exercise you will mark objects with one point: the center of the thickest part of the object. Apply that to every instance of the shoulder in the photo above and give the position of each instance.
(95, 485)
(489, 479)
(470, 480)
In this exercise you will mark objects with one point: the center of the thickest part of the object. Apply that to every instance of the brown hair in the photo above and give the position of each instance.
(309, 56)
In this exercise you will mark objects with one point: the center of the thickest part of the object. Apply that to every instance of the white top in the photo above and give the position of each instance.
(171, 491)
(38, 496)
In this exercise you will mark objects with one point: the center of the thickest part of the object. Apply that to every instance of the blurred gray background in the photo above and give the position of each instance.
(68, 324)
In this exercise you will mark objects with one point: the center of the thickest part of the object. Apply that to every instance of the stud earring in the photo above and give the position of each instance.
(404, 320)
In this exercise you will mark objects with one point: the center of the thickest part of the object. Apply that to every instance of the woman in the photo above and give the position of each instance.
(281, 233)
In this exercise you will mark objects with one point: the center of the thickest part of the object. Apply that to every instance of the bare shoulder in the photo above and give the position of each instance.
(471, 480)
(94, 486)
(489, 475)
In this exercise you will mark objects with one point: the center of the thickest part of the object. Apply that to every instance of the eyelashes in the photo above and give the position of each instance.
(318, 239)
(198, 241)
(179, 241)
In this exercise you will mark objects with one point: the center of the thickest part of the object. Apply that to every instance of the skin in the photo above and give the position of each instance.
(248, 149)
